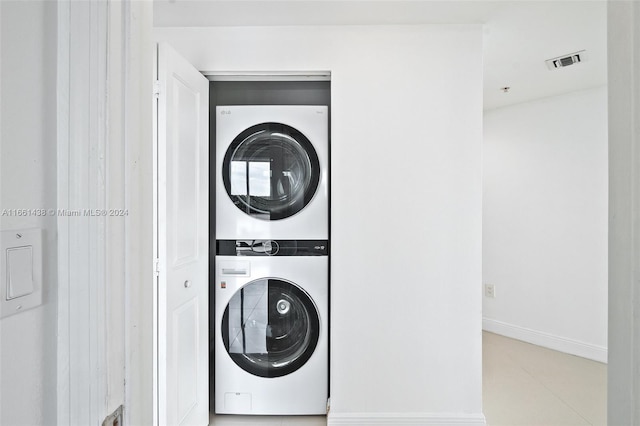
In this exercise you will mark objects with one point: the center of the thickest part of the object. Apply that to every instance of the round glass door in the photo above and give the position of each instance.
(270, 327)
(271, 171)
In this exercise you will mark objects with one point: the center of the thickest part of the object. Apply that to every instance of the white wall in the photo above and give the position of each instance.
(623, 388)
(406, 206)
(28, 181)
(545, 222)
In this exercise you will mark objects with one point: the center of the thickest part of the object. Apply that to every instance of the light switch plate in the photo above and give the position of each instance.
(20, 270)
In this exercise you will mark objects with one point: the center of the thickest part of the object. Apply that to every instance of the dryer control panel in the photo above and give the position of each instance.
(272, 247)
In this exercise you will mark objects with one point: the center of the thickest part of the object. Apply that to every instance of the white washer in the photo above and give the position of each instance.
(272, 172)
(271, 335)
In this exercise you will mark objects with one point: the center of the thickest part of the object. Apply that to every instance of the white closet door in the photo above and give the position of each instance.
(182, 220)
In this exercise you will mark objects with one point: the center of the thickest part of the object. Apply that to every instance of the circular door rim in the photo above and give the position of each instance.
(311, 349)
(311, 155)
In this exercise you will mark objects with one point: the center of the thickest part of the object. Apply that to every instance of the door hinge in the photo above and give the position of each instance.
(156, 267)
(156, 89)
(114, 419)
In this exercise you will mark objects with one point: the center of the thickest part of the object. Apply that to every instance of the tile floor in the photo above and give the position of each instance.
(523, 385)
(223, 420)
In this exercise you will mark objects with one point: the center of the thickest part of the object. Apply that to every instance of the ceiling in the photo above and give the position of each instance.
(518, 35)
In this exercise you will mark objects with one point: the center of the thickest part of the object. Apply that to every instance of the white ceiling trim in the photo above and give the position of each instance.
(267, 75)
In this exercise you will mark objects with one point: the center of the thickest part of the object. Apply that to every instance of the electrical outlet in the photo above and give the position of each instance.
(489, 290)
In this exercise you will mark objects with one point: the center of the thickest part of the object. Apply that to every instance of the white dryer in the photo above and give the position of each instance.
(271, 329)
(272, 172)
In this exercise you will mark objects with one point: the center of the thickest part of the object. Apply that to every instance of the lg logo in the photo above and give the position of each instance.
(225, 112)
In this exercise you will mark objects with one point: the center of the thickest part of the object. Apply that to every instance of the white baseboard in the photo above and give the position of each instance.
(400, 419)
(547, 340)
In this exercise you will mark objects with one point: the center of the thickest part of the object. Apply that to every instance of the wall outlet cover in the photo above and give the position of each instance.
(489, 290)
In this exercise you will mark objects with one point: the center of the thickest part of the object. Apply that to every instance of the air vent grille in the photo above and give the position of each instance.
(566, 60)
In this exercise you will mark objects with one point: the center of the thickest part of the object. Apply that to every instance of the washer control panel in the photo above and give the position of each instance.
(272, 247)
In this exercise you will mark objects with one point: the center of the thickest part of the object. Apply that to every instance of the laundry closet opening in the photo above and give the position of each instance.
(286, 266)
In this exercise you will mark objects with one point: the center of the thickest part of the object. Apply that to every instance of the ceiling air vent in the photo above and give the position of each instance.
(566, 60)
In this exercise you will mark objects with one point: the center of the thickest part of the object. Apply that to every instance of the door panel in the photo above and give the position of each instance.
(185, 330)
(181, 199)
(183, 166)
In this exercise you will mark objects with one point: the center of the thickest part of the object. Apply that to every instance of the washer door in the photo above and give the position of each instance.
(270, 327)
(271, 171)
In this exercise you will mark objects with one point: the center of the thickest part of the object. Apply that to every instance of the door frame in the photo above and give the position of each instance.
(102, 114)
(81, 184)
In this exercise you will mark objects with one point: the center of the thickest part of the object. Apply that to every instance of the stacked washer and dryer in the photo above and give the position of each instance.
(271, 265)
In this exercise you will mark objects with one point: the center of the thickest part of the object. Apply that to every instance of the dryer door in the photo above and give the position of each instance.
(271, 171)
(270, 327)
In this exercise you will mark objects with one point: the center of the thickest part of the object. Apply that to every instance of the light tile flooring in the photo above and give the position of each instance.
(223, 420)
(523, 385)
